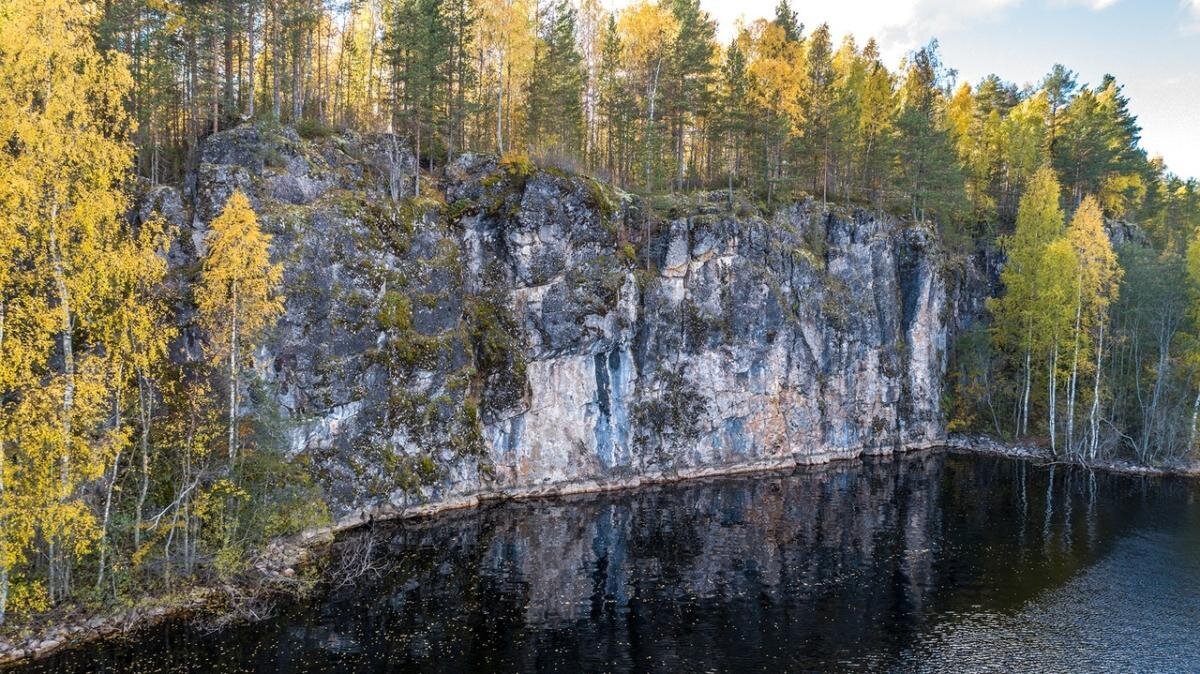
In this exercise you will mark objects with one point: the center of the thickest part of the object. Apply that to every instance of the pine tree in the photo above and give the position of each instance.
(418, 44)
(1059, 85)
(817, 105)
(777, 81)
(617, 105)
(875, 125)
(787, 20)
(1096, 151)
(236, 295)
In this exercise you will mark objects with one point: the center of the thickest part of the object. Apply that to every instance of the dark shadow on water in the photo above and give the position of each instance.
(928, 561)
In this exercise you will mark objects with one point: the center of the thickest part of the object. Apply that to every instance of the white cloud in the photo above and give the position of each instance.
(1094, 5)
(898, 25)
(1192, 24)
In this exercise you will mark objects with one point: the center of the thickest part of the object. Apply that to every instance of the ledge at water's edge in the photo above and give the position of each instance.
(984, 444)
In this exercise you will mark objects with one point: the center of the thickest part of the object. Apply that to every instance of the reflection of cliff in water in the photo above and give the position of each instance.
(842, 566)
(831, 563)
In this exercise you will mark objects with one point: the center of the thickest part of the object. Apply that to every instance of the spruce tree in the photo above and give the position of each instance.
(691, 77)
(555, 97)
(929, 169)
(735, 117)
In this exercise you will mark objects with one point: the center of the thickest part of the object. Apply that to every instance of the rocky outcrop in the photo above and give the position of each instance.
(513, 330)
(1123, 232)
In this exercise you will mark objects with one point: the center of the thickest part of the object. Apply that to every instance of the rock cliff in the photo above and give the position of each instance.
(512, 330)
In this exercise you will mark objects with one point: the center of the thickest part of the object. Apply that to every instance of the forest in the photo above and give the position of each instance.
(125, 471)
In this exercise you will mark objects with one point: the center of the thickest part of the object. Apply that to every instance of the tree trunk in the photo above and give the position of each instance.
(276, 62)
(229, 30)
(3, 592)
(108, 493)
(108, 489)
(68, 348)
(1071, 386)
(145, 401)
(3, 567)
(57, 564)
(1095, 415)
(500, 107)
(1195, 414)
(1053, 403)
(1023, 426)
(216, 85)
(233, 347)
(650, 116)
(250, 62)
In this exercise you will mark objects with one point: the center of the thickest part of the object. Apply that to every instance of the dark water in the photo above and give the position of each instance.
(929, 562)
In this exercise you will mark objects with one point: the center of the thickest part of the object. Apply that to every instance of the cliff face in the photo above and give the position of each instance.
(515, 330)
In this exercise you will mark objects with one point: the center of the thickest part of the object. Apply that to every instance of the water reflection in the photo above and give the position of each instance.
(924, 562)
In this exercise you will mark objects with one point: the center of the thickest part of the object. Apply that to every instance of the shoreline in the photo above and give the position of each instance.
(984, 445)
(274, 570)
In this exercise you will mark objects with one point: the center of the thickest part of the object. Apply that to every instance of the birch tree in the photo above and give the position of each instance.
(236, 296)
(1039, 222)
(1098, 278)
(66, 154)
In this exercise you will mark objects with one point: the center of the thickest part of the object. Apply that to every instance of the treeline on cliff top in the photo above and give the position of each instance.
(645, 96)
(123, 471)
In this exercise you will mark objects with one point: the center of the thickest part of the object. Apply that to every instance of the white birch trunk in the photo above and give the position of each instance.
(1071, 387)
(1095, 416)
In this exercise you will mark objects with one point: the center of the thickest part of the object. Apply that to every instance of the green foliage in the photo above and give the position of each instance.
(220, 508)
(972, 387)
(499, 361)
(555, 95)
(395, 312)
(627, 253)
(410, 473)
(282, 499)
(930, 173)
(459, 208)
(313, 129)
(517, 165)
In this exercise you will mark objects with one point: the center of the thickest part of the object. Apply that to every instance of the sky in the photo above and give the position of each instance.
(1151, 46)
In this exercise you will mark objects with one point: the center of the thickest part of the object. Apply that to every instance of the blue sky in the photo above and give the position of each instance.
(1151, 46)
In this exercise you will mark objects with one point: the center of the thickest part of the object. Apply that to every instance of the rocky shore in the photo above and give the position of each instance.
(277, 572)
(983, 444)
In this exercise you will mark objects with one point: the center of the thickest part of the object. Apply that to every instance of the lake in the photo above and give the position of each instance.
(928, 562)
